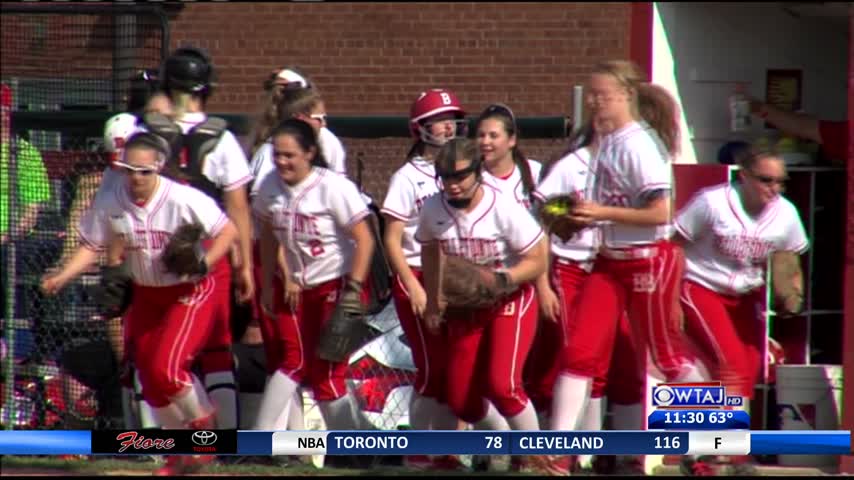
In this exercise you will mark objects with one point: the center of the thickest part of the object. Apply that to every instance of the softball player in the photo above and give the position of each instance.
(488, 228)
(188, 77)
(729, 232)
(638, 268)
(313, 214)
(287, 97)
(572, 262)
(435, 118)
(169, 317)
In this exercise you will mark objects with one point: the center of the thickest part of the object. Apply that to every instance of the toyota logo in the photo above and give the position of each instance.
(203, 438)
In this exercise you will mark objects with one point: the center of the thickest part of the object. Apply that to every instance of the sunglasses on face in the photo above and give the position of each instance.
(318, 116)
(766, 180)
(131, 169)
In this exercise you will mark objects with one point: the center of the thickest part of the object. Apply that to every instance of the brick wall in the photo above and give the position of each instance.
(374, 58)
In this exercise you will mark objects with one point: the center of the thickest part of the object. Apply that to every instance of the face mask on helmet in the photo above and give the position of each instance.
(430, 105)
(458, 175)
(460, 130)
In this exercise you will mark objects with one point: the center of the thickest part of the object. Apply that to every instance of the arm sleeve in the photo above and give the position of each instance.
(693, 219)
(261, 165)
(205, 210)
(424, 233)
(556, 182)
(235, 168)
(647, 171)
(521, 230)
(400, 200)
(261, 201)
(346, 203)
(796, 237)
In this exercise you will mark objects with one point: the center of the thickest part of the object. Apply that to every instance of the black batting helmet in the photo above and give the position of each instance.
(188, 69)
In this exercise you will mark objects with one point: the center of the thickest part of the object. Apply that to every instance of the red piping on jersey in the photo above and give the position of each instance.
(394, 214)
(421, 171)
(293, 210)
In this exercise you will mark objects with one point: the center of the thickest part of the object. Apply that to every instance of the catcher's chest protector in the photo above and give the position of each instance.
(189, 150)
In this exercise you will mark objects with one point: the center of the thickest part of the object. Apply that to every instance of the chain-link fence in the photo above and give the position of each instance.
(60, 360)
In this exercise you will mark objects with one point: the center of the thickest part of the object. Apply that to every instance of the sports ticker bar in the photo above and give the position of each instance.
(225, 442)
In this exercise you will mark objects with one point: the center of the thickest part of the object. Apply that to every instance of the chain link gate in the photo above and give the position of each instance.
(61, 63)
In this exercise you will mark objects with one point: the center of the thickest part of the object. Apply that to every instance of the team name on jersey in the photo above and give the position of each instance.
(743, 247)
(150, 239)
(478, 250)
(302, 224)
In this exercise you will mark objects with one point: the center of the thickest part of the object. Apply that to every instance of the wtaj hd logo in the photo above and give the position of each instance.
(702, 395)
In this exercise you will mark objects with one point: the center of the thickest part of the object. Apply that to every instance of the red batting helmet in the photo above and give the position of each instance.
(429, 104)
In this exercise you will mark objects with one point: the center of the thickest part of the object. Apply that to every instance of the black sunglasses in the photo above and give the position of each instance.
(765, 179)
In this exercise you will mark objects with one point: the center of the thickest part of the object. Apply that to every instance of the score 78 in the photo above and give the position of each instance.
(493, 442)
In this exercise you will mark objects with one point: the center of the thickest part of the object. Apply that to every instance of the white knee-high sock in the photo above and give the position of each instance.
(493, 420)
(170, 417)
(147, 418)
(591, 420)
(296, 412)
(277, 393)
(222, 390)
(193, 402)
(571, 394)
(525, 420)
(442, 415)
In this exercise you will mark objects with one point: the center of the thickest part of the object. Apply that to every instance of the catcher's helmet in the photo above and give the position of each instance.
(116, 132)
(429, 104)
(188, 69)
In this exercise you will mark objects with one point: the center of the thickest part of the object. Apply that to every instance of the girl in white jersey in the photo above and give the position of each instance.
(435, 118)
(169, 318)
(487, 347)
(572, 262)
(319, 219)
(638, 268)
(729, 232)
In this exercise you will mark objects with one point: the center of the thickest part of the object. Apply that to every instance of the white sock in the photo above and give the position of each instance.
(296, 413)
(193, 403)
(442, 415)
(129, 408)
(339, 413)
(493, 420)
(222, 391)
(277, 393)
(525, 420)
(202, 394)
(571, 394)
(591, 420)
(170, 417)
(144, 409)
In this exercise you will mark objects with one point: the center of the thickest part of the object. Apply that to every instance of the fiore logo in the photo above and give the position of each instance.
(204, 438)
(139, 442)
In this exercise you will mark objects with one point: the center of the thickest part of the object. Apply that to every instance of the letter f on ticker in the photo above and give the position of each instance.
(717, 442)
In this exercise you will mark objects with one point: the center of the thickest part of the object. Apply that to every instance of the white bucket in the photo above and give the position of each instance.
(809, 397)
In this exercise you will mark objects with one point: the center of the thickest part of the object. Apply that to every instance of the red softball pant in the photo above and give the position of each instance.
(624, 381)
(487, 349)
(291, 336)
(216, 356)
(168, 327)
(728, 330)
(429, 350)
(647, 290)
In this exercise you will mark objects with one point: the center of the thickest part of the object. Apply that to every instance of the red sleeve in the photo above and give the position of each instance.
(834, 139)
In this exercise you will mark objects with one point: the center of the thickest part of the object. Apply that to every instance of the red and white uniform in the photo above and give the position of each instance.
(572, 262)
(410, 186)
(331, 147)
(492, 342)
(638, 269)
(512, 184)
(723, 296)
(170, 318)
(312, 221)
